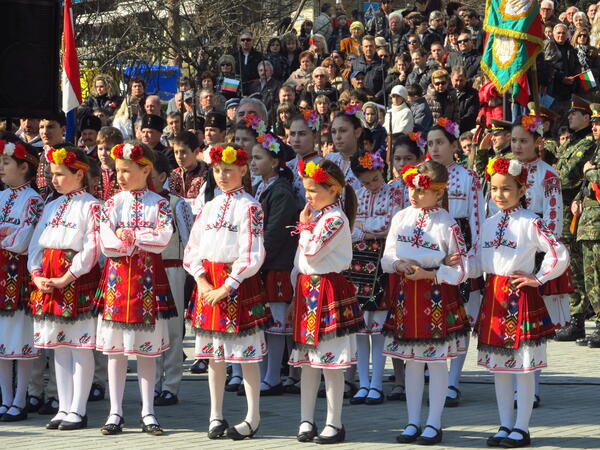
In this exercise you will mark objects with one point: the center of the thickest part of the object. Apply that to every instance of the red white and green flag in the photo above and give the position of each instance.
(587, 80)
(521, 91)
(230, 84)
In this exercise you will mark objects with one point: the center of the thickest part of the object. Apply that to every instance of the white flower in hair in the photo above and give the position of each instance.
(416, 181)
(206, 156)
(514, 168)
(9, 149)
(127, 148)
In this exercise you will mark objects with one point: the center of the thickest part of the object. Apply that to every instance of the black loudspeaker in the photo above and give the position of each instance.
(29, 58)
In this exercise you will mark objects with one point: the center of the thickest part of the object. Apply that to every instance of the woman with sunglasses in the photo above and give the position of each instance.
(441, 97)
(226, 65)
(587, 56)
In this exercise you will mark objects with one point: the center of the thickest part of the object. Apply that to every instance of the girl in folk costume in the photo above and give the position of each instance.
(346, 131)
(377, 204)
(20, 209)
(224, 254)
(427, 323)
(303, 135)
(466, 206)
(276, 196)
(133, 297)
(326, 313)
(513, 323)
(63, 256)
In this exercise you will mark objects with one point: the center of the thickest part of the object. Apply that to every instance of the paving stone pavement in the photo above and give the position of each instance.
(569, 416)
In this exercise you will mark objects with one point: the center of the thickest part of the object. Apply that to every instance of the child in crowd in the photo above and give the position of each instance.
(186, 180)
(107, 186)
(303, 135)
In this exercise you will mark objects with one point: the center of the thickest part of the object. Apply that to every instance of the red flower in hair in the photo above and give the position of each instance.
(242, 157)
(301, 167)
(320, 176)
(137, 152)
(215, 154)
(501, 165)
(70, 159)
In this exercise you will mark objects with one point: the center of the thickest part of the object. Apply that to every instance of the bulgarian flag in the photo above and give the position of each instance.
(521, 91)
(71, 87)
(587, 80)
(230, 85)
(311, 38)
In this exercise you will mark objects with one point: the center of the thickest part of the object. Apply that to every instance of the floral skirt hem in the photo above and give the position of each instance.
(74, 334)
(249, 348)
(335, 353)
(448, 348)
(16, 336)
(527, 358)
(112, 340)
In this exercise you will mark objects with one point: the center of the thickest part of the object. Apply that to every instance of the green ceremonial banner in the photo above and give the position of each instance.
(514, 18)
(505, 59)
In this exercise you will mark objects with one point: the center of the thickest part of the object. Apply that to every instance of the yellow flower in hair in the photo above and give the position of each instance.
(413, 171)
(490, 167)
(59, 155)
(310, 168)
(229, 155)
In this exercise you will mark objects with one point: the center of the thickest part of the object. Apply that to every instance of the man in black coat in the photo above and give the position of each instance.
(373, 67)
(467, 56)
(468, 99)
(378, 25)
(247, 60)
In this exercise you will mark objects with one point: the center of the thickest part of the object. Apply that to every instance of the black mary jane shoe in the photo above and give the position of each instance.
(494, 441)
(359, 400)
(398, 393)
(424, 440)
(113, 428)
(375, 400)
(6, 417)
(408, 438)
(153, 429)
(307, 436)
(233, 434)
(97, 392)
(48, 408)
(218, 431)
(453, 402)
(292, 388)
(66, 425)
(53, 424)
(33, 406)
(166, 398)
(340, 436)
(272, 390)
(233, 387)
(515, 443)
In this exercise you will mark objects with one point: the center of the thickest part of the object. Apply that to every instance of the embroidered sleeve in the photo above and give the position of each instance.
(379, 224)
(156, 239)
(18, 240)
(389, 253)
(456, 274)
(86, 259)
(556, 256)
(35, 249)
(317, 244)
(251, 247)
(476, 205)
(553, 203)
(110, 244)
(185, 220)
(192, 262)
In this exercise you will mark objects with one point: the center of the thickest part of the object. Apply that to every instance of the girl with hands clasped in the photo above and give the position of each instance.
(133, 297)
(513, 323)
(63, 256)
(228, 312)
(426, 323)
(20, 209)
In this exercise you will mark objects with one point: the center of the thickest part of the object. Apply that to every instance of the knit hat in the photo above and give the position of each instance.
(357, 24)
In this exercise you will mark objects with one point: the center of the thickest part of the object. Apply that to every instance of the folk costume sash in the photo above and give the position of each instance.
(72, 302)
(14, 282)
(134, 290)
(325, 307)
(422, 310)
(366, 274)
(242, 312)
(510, 317)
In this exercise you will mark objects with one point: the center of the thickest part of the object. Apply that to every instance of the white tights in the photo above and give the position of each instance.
(74, 368)
(309, 387)
(9, 396)
(504, 397)
(370, 346)
(272, 365)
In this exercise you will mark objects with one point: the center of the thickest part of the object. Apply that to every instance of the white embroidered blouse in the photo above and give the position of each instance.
(20, 210)
(465, 197)
(375, 211)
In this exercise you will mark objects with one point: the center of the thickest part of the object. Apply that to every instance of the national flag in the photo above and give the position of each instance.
(521, 91)
(71, 87)
(518, 19)
(230, 85)
(587, 80)
(311, 38)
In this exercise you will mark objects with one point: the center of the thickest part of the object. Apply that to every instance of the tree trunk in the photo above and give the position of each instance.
(174, 31)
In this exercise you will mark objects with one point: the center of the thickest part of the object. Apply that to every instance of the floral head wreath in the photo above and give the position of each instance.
(256, 123)
(17, 151)
(228, 155)
(311, 119)
(130, 152)
(418, 138)
(533, 124)
(269, 143)
(451, 128)
(63, 156)
(371, 161)
(506, 167)
(353, 110)
(316, 172)
(416, 180)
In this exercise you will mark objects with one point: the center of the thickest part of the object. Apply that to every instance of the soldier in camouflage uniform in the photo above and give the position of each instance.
(572, 156)
(495, 144)
(588, 230)
(549, 144)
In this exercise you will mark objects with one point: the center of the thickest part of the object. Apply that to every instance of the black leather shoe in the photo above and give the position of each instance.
(340, 436)
(166, 398)
(408, 438)
(218, 431)
(53, 424)
(272, 390)
(199, 366)
(6, 417)
(97, 392)
(234, 434)
(307, 436)
(65, 425)
(113, 428)
(515, 443)
(398, 393)
(233, 387)
(153, 429)
(33, 406)
(423, 440)
(453, 402)
(375, 400)
(292, 388)
(359, 400)
(494, 441)
(48, 408)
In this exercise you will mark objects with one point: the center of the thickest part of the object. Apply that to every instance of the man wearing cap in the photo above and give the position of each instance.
(357, 80)
(549, 145)
(587, 206)
(231, 107)
(152, 130)
(351, 44)
(90, 125)
(399, 118)
(572, 157)
(495, 144)
(215, 127)
(379, 24)
(373, 67)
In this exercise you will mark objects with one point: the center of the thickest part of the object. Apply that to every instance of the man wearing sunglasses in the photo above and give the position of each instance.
(247, 60)
(466, 56)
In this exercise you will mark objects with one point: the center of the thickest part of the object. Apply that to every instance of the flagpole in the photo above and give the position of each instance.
(535, 87)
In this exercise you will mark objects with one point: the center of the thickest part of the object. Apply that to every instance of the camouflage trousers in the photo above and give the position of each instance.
(578, 300)
(591, 274)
